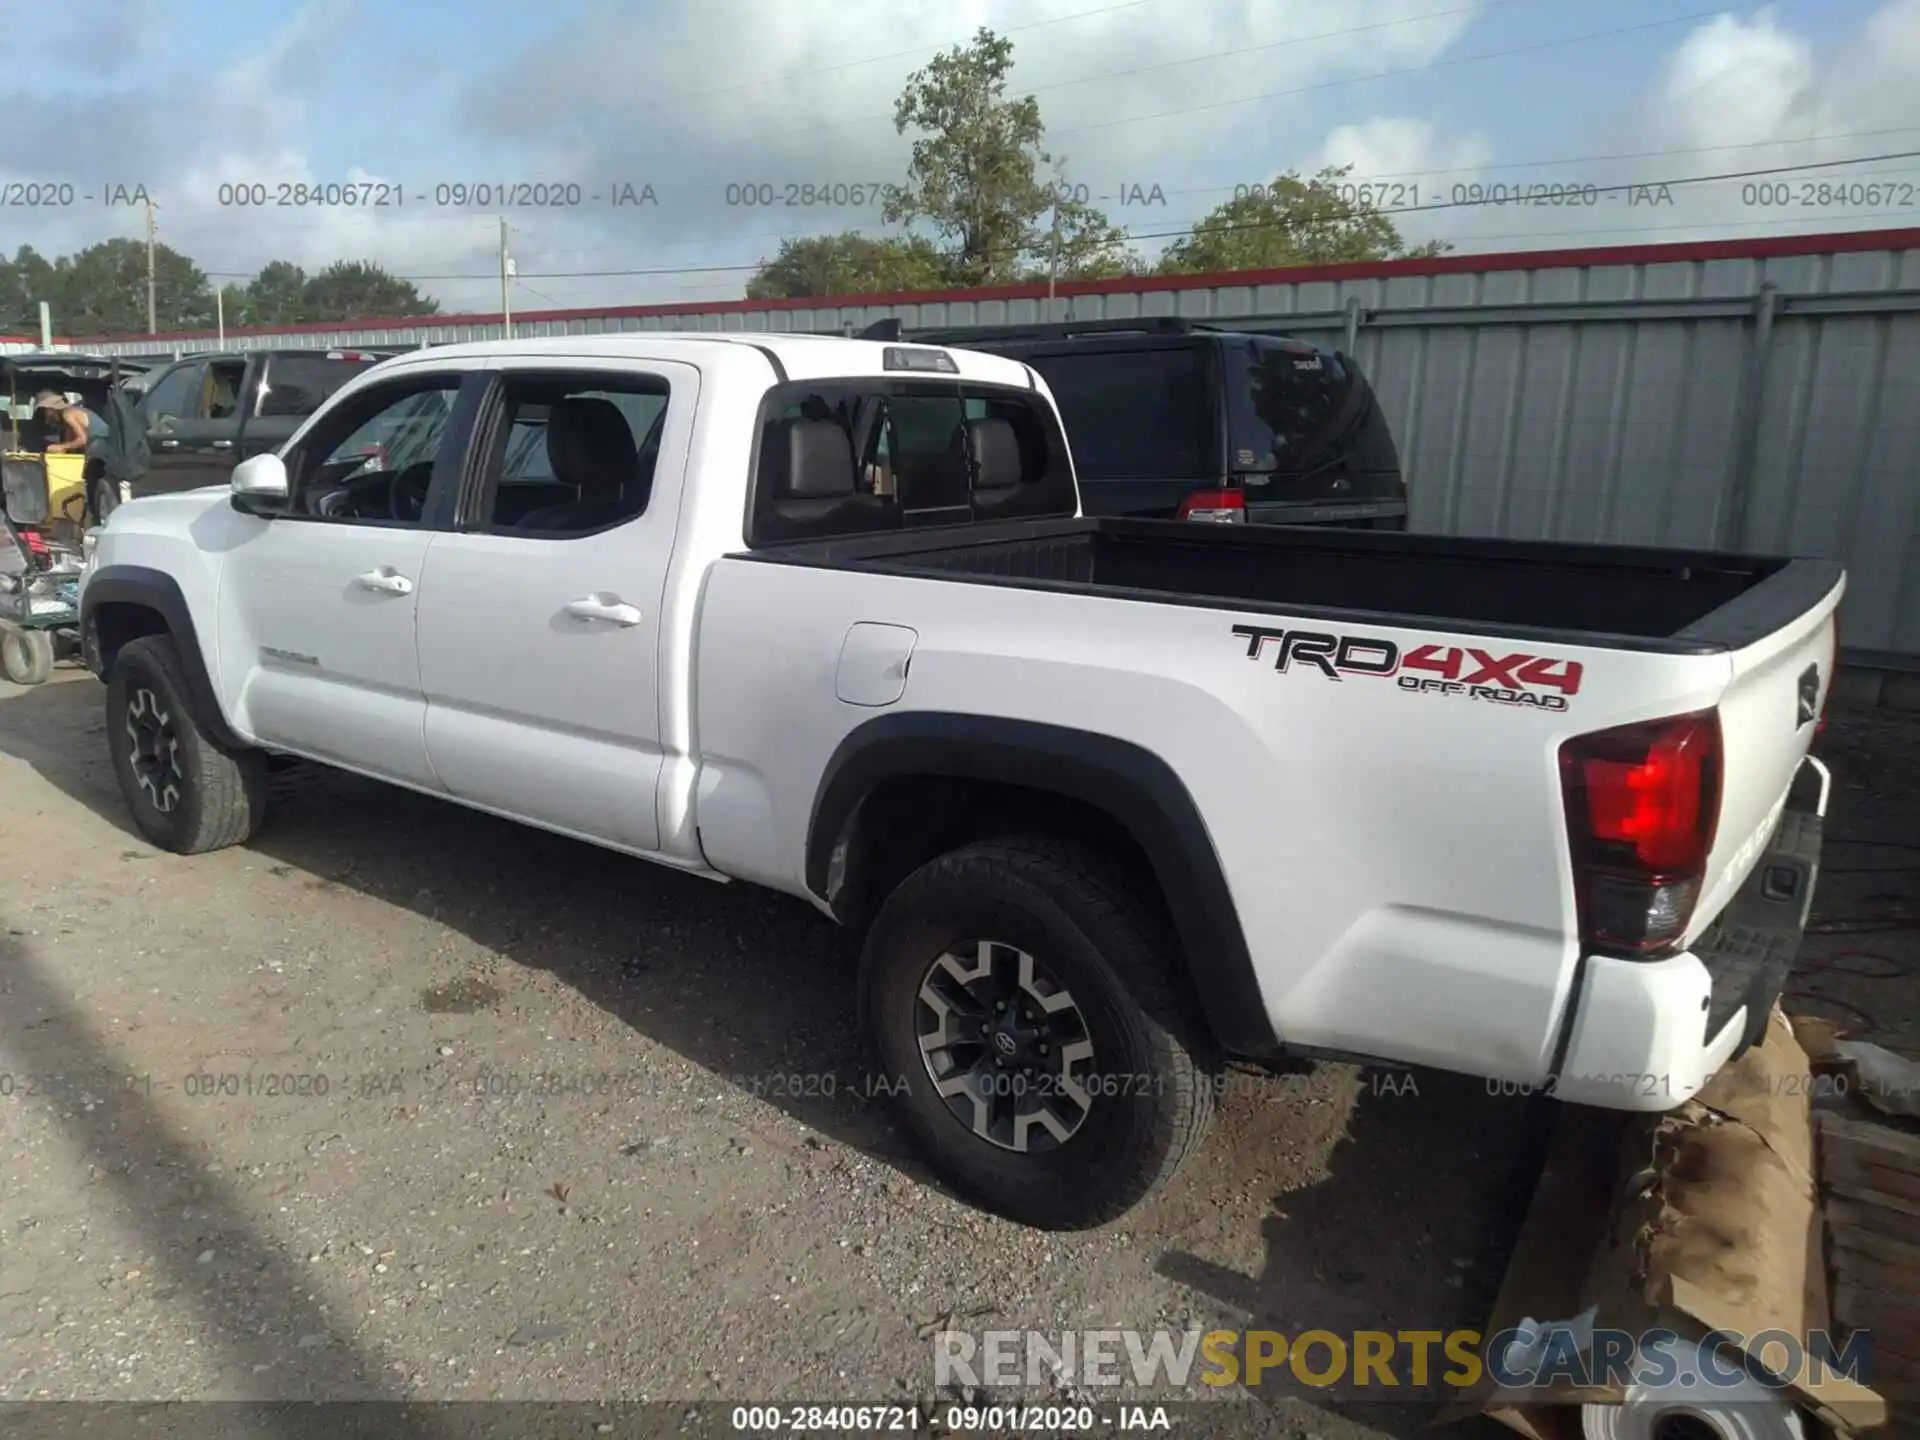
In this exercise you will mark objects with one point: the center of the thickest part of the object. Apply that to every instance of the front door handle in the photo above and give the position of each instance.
(605, 607)
(169, 444)
(222, 444)
(386, 580)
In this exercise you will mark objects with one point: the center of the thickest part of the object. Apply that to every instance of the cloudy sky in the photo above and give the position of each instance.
(1161, 107)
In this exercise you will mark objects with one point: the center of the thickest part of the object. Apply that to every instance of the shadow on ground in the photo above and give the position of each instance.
(1423, 1198)
(248, 1299)
(1420, 1203)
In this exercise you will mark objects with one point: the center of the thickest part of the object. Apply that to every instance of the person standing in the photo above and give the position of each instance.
(78, 427)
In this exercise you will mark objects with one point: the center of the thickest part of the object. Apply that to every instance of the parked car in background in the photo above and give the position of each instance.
(1172, 419)
(206, 413)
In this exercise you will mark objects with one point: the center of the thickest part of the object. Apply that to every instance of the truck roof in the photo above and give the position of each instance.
(802, 357)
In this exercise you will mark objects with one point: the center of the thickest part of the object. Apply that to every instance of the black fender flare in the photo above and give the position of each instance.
(1134, 786)
(159, 592)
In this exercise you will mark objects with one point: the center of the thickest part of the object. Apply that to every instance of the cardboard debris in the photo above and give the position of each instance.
(1871, 1174)
(1702, 1219)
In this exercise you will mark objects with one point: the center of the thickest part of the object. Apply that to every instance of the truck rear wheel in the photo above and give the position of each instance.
(187, 793)
(1026, 1016)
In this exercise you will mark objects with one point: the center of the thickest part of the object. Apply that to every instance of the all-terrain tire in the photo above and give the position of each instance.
(26, 656)
(194, 794)
(1150, 1078)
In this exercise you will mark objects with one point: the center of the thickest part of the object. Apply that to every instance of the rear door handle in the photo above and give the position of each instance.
(386, 580)
(221, 444)
(169, 444)
(605, 607)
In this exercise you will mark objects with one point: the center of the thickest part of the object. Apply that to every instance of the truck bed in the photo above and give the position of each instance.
(1671, 601)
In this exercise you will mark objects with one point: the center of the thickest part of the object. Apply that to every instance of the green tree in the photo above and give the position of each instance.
(102, 290)
(26, 280)
(1325, 219)
(975, 177)
(849, 264)
(361, 290)
(238, 310)
(276, 296)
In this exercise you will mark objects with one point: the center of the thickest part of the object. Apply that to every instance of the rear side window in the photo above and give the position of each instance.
(856, 456)
(1133, 414)
(298, 385)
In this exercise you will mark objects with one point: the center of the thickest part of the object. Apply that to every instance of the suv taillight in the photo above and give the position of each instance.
(1228, 506)
(1642, 802)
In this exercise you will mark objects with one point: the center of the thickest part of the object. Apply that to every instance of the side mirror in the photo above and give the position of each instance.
(263, 478)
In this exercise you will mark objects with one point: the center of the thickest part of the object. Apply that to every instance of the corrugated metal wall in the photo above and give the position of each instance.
(1768, 404)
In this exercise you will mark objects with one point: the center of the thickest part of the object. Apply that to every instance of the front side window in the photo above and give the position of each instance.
(373, 462)
(174, 396)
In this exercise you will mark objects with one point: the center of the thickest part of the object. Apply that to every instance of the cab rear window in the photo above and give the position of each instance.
(855, 456)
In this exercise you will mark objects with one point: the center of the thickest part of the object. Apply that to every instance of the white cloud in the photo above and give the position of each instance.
(1735, 95)
(1142, 95)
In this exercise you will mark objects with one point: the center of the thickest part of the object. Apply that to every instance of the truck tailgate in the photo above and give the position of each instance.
(1784, 653)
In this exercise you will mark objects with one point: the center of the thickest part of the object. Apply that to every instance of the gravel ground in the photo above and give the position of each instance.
(699, 1202)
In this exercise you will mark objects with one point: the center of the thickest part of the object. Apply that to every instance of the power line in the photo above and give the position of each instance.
(875, 227)
(1232, 227)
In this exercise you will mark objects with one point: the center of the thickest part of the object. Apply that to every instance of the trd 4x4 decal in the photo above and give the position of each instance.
(1537, 682)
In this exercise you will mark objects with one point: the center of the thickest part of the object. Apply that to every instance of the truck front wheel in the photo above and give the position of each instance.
(1027, 1018)
(187, 793)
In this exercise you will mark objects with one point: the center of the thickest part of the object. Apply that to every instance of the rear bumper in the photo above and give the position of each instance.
(1648, 1035)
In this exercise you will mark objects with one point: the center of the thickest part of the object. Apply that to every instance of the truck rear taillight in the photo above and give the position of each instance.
(1220, 506)
(1642, 802)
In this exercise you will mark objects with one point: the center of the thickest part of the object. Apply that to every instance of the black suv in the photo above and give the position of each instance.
(1173, 419)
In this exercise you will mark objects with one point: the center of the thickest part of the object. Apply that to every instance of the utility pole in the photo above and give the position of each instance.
(506, 269)
(152, 327)
(220, 308)
(1053, 262)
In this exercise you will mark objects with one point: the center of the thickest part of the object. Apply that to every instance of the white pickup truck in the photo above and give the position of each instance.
(1113, 801)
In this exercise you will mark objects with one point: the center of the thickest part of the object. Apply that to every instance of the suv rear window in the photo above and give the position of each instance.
(1133, 414)
(904, 453)
(1294, 408)
(298, 385)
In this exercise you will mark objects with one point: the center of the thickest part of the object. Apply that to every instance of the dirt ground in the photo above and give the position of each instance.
(670, 1214)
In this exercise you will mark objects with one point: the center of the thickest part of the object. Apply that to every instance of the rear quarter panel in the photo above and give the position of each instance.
(1398, 859)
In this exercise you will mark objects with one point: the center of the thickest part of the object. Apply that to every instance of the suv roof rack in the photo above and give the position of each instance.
(892, 329)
